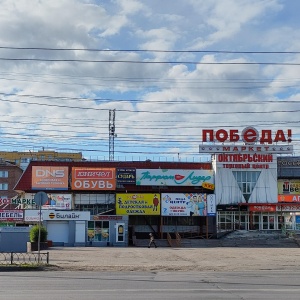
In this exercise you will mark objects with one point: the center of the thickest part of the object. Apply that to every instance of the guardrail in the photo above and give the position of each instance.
(15, 258)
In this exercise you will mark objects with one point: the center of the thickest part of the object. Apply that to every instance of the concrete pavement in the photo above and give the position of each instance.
(208, 255)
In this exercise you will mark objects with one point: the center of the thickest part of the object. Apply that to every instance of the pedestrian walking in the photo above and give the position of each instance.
(152, 241)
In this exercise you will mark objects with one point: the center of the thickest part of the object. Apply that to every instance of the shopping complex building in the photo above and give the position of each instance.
(247, 186)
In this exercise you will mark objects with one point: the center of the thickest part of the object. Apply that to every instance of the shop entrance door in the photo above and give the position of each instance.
(120, 232)
(268, 222)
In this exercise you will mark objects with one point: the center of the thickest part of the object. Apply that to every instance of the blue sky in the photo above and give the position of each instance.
(168, 68)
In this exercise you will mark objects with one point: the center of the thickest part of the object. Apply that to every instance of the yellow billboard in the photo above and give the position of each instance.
(138, 204)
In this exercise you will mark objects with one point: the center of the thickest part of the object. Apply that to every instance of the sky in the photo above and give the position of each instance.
(160, 71)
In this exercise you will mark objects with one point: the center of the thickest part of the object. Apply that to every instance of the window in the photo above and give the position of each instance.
(98, 231)
(3, 186)
(3, 174)
(246, 181)
(95, 208)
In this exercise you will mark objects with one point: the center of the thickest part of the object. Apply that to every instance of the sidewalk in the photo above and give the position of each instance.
(174, 259)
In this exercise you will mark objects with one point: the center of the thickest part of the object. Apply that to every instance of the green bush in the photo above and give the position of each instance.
(34, 234)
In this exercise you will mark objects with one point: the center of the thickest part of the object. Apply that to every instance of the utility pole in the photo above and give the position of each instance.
(111, 133)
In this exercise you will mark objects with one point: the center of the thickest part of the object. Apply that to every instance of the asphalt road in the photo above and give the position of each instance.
(77, 285)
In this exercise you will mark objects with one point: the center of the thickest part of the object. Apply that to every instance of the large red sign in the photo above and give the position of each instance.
(249, 136)
(93, 179)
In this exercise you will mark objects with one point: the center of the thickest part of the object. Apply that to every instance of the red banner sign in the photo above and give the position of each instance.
(289, 198)
(263, 208)
(93, 179)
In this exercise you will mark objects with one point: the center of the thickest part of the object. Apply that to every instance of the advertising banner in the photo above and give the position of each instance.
(49, 178)
(126, 175)
(171, 177)
(11, 215)
(289, 198)
(297, 221)
(190, 204)
(286, 186)
(93, 179)
(137, 204)
(59, 201)
(66, 215)
(32, 215)
(5, 203)
(55, 201)
(294, 207)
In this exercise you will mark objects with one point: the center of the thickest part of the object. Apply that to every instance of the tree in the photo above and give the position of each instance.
(34, 234)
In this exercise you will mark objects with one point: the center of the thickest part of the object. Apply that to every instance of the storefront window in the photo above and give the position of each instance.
(226, 220)
(289, 221)
(98, 231)
(255, 222)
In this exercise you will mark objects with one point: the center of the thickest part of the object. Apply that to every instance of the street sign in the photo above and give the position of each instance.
(40, 198)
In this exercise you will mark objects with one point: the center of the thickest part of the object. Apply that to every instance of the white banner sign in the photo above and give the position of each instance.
(171, 177)
(55, 201)
(66, 215)
(32, 215)
(189, 204)
(273, 149)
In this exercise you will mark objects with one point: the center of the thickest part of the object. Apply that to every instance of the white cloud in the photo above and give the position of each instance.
(143, 93)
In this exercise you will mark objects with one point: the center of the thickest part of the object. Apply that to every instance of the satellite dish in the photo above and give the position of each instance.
(40, 198)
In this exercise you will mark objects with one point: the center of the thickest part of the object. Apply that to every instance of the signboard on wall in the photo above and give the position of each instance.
(291, 207)
(49, 178)
(289, 198)
(93, 179)
(289, 162)
(172, 177)
(31, 215)
(11, 215)
(262, 208)
(66, 215)
(288, 187)
(187, 204)
(250, 141)
(137, 204)
(55, 201)
(232, 207)
(247, 161)
(126, 175)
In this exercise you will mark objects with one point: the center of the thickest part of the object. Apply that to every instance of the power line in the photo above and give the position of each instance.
(154, 112)
(148, 50)
(160, 101)
(149, 62)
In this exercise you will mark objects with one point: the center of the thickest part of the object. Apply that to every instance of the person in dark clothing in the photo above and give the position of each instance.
(152, 241)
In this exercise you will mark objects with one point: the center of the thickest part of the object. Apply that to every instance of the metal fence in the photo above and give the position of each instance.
(14, 258)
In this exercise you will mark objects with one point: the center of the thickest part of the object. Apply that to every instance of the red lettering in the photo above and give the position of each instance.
(280, 137)
(221, 135)
(210, 134)
(233, 135)
(250, 135)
